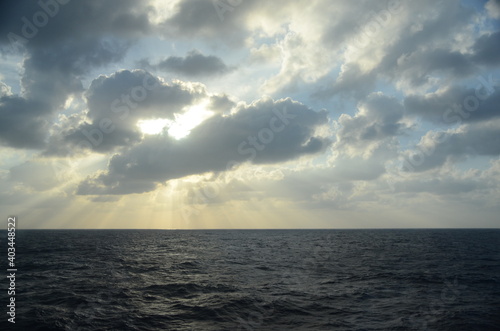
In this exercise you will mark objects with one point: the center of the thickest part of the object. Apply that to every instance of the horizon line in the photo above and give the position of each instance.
(252, 229)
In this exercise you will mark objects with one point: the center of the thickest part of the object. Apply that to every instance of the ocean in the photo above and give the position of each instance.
(255, 280)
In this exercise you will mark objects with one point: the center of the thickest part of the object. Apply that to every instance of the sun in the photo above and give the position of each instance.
(178, 128)
(152, 126)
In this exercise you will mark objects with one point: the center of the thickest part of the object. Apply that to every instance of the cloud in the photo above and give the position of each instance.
(75, 20)
(265, 53)
(493, 8)
(264, 132)
(454, 105)
(436, 149)
(351, 81)
(23, 123)
(417, 53)
(5, 90)
(115, 105)
(377, 121)
(486, 49)
(50, 76)
(337, 185)
(303, 62)
(38, 175)
(205, 19)
(442, 185)
(57, 54)
(194, 64)
(418, 67)
(221, 103)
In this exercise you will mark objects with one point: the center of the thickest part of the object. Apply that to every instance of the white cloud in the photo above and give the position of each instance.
(493, 7)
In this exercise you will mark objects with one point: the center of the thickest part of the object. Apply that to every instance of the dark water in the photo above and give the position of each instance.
(257, 280)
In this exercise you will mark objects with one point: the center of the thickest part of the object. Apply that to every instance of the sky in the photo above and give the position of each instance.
(199, 114)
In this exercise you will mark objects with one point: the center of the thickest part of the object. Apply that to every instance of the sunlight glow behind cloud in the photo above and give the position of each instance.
(184, 123)
(152, 126)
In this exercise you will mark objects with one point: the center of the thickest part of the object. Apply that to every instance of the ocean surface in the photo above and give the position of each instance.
(255, 280)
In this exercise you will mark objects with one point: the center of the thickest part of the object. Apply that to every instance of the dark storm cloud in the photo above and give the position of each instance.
(378, 118)
(53, 74)
(116, 103)
(266, 132)
(200, 18)
(50, 76)
(418, 67)
(23, 123)
(344, 28)
(61, 41)
(194, 64)
(437, 148)
(456, 105)
(487, 49)
(145, 95)
(221, 103)
(71, 20)
(352, 82)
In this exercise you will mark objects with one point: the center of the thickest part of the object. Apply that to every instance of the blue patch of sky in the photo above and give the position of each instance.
(479, 6)
(10, 67)
(474, 162)
(475, 4)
